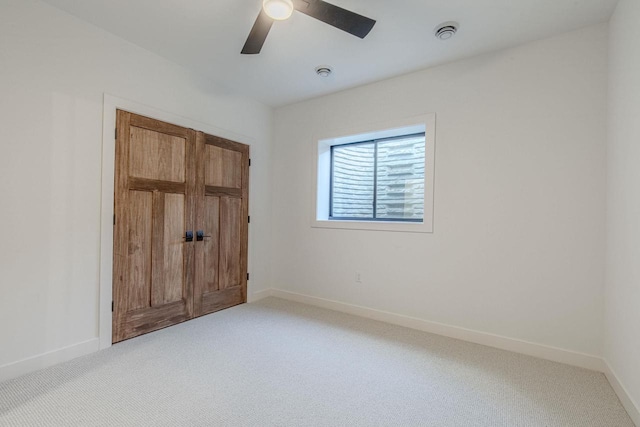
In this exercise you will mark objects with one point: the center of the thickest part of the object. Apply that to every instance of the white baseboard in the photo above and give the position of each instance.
(505, 343)
(633, 409)
(257, 296)
(50, 358)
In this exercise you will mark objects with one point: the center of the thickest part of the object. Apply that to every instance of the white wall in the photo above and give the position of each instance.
(54, 70)
(518, 242)
(622, 292)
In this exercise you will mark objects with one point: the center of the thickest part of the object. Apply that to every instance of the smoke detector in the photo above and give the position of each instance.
(446, 30)
(324, 71)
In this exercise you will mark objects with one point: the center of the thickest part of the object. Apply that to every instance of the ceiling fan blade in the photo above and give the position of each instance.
(258, 34)
(338, 17)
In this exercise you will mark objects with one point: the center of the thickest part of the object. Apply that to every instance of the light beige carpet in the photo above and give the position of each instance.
(277, 363)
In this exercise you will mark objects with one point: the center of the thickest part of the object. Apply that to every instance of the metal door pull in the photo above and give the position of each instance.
(200, 235)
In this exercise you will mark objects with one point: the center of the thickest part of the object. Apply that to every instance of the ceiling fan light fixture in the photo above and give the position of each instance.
(278, 9)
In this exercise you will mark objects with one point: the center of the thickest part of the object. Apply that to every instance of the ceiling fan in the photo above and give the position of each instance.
(278, 10)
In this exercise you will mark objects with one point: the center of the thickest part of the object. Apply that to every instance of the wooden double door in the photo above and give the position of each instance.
(180, 225)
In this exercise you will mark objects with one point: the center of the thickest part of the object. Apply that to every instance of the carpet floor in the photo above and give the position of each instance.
(278, 363)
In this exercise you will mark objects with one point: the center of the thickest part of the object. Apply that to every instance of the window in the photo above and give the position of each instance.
(376, 179)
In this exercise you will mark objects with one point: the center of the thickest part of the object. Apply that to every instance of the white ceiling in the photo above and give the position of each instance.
(206, 36)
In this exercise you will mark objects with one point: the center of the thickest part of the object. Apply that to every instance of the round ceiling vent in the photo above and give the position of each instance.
(446, 31)
(324, 71)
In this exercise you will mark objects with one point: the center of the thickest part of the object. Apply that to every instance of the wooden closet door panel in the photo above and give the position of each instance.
(157, 155)
(224, 167)
(139, 250)
(173, 244)
(211, 244)
(166, 259)
(154, 206)
(223, 183)
(230, 242)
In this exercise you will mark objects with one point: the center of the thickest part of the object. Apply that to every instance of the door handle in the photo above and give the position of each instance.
(188, 236)
(200, 235)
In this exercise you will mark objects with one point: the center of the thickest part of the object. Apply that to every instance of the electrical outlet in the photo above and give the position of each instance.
(358, 277)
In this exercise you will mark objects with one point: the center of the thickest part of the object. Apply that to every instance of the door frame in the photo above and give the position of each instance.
(110, 105)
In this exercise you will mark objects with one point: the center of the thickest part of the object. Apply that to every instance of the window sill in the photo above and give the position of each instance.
(402, 227)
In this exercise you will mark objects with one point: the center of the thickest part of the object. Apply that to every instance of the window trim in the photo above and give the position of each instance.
(375, 143)
(321, 170)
